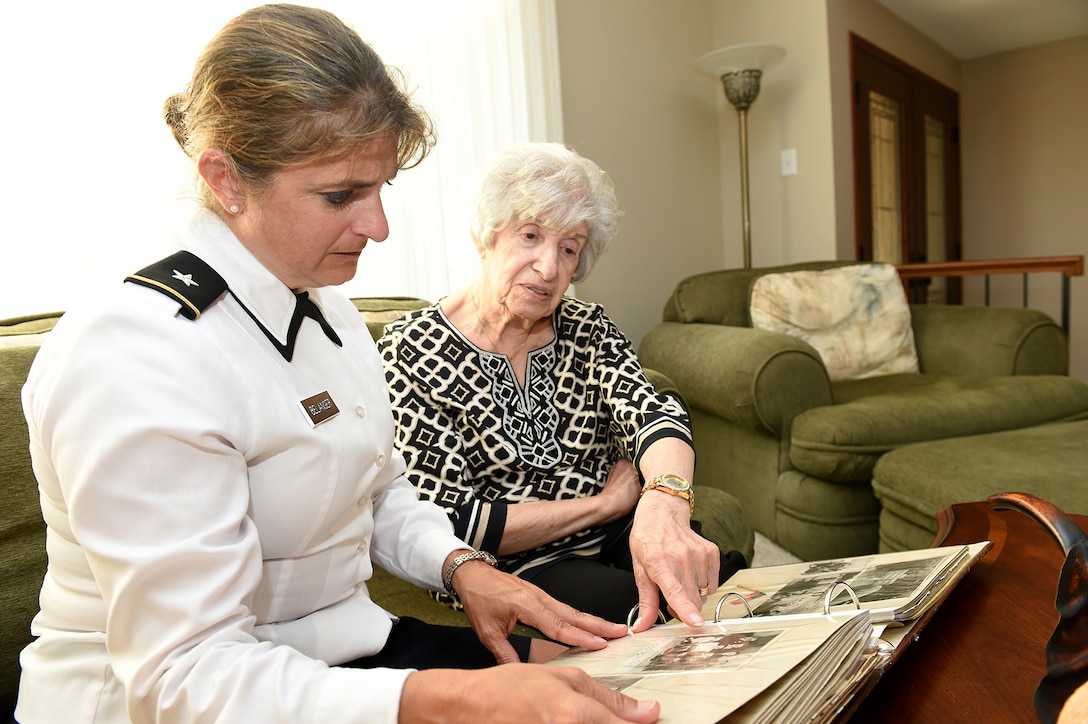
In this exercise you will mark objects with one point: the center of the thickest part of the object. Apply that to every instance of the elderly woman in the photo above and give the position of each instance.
(526, 415)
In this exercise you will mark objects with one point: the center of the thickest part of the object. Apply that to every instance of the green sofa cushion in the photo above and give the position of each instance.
(916, 482)
(842, 442)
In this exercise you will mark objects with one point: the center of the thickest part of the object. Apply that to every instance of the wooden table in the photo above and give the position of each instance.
(981, 656)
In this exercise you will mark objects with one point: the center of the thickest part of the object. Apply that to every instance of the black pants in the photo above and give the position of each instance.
(415, 644)
(605, 586)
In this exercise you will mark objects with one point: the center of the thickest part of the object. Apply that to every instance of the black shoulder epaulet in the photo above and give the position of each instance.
(185, 277)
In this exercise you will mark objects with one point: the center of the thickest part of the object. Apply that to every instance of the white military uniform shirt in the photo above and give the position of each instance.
(208, 547)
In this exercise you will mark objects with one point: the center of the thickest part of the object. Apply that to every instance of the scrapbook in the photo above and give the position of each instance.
(783, 643)
(894, 587)
(701, 675)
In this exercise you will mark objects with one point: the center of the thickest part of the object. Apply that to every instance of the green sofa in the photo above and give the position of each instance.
(22, 530)
(799, 450)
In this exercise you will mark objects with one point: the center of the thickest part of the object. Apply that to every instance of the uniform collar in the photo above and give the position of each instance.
(259, 290)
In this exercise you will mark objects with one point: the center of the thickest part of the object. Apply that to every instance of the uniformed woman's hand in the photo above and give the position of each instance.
(495, 602)
(518, 693)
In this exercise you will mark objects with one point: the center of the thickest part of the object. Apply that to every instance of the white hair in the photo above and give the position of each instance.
(553, 185)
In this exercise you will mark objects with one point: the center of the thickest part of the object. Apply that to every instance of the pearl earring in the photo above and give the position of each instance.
(234, 208)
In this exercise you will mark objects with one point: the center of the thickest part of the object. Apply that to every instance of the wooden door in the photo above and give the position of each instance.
(906, 167)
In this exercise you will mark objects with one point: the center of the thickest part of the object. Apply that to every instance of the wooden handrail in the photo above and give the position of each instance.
(1070, 266)
(1067, 266)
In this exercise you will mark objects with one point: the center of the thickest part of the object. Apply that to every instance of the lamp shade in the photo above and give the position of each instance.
(746, 56)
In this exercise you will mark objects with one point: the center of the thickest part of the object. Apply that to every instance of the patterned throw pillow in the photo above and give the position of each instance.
(856, 317)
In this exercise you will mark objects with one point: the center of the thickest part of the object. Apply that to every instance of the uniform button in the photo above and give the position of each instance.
(360, 412)
(363, 501)
(355, 588)
(362, 547)
(381, 461)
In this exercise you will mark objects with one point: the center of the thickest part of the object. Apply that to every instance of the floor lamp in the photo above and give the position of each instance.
(740, 68)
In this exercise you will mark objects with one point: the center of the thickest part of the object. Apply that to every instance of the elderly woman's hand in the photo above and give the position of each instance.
(495, 602)
(669, 556)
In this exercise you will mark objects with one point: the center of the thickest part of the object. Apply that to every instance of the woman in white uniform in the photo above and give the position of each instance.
(214, 445)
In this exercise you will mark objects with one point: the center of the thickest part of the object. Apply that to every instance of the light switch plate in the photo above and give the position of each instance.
(789, 162)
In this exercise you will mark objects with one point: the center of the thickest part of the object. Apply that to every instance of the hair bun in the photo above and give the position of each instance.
(173, 112)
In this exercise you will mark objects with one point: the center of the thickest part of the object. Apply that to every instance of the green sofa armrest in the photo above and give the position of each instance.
(664, 385)
(22, 529)
(380, 311)
(751, 377)
(988, 341)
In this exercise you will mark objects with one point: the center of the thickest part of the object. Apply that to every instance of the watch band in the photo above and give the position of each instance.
(460, 560)
(673, 485)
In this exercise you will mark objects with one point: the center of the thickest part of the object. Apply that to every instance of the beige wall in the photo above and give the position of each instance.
(1024, 116)
(633, 102)
(792, 216)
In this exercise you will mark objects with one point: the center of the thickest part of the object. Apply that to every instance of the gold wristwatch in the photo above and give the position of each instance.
(673, 485)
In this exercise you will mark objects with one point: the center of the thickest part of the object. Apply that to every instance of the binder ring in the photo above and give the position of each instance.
(831, 594)
(718, 608)
(634, 610)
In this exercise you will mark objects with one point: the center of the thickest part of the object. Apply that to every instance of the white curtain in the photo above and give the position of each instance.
(487, 70)
(93, 180)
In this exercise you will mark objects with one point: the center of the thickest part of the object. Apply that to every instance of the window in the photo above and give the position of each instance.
(906, 157)
(887, 210)
(93, 176)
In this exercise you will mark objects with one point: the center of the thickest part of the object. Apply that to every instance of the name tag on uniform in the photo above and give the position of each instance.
(319, 408)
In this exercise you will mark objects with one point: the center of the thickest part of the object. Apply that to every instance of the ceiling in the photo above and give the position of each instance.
(974, 28)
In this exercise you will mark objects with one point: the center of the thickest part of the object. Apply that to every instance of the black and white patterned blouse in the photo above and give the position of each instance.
(476, 441)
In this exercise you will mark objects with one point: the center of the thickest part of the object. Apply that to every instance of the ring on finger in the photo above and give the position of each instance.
(704, 591)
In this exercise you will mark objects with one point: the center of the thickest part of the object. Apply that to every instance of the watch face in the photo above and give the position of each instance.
(674, 482)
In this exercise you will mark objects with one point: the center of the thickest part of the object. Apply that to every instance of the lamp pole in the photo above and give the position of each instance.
(742, 88)
(740, 69)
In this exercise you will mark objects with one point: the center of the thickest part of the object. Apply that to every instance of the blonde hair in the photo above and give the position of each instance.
(284, 84)
(553, 185)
